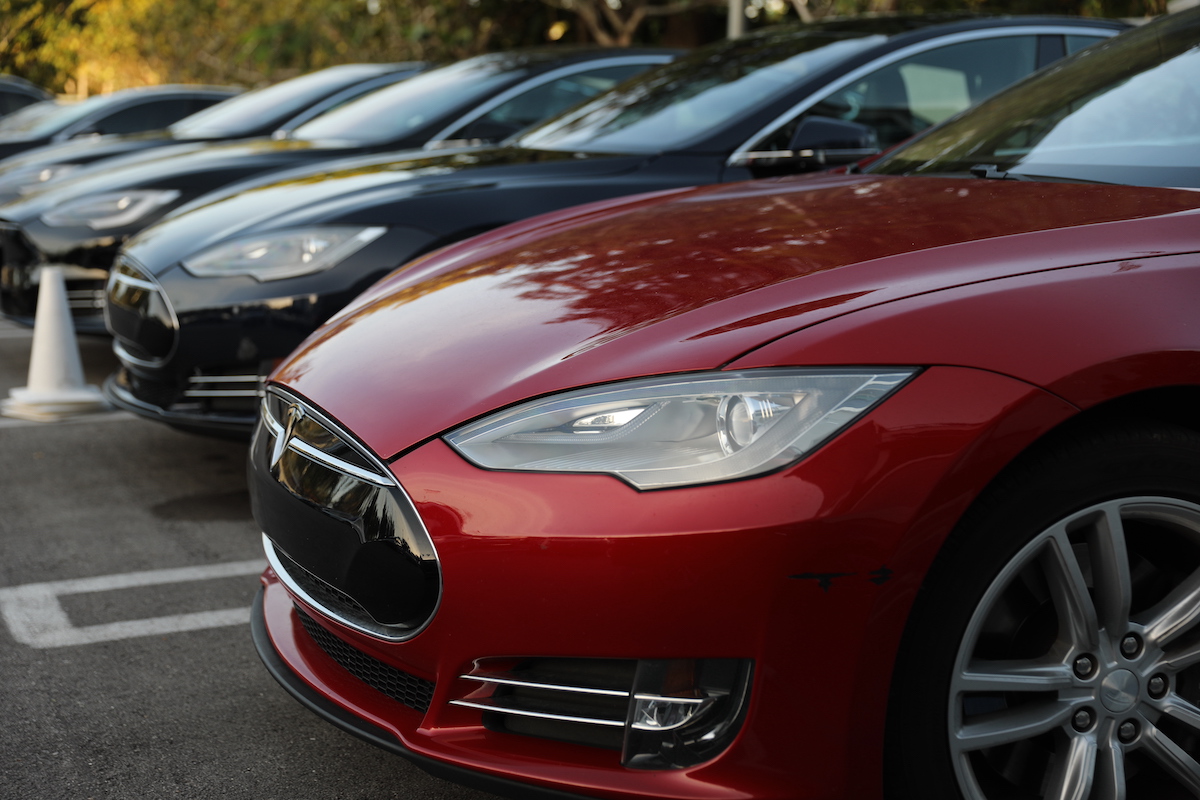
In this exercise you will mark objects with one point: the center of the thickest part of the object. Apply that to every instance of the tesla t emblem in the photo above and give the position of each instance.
(292, 417)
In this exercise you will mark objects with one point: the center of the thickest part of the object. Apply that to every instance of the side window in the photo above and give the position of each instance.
(144, 117)
(907, 96)
(1075, 43)
(544, 101)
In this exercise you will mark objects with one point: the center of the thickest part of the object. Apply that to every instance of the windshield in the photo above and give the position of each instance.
(1124, 111)
(680, 102)
(267, 108)
(42, 119)
(399, 110)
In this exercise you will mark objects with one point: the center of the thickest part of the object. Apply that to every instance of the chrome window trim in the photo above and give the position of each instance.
(535, 82)
(742, 155)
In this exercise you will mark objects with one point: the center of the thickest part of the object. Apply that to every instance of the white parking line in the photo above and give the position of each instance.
(36, 618)
(111, 415)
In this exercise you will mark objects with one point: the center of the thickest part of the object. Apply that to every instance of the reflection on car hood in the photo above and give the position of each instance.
(159, 167)
(334, 191)
(86, 149)
(684, 281)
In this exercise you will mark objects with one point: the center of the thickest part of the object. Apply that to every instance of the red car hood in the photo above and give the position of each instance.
(690, 280)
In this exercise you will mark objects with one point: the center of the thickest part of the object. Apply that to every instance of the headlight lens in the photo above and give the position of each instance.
(25, 180)
(109, 210)
(282, 255)
(679, 431)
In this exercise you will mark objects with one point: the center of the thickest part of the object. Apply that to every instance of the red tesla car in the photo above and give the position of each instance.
(882, 483)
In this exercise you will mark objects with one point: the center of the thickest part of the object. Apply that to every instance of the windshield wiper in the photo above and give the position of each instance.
(993, 173)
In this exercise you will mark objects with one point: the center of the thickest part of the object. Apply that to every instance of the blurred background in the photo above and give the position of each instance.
(86, 47)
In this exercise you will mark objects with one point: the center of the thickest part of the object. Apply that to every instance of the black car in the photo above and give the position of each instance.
(259, 112)
(146, 108)
(204, 304)
(80, 221)
(16, 93)
(256, 113)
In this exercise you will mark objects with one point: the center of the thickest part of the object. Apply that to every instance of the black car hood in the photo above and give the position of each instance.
(335, 192)
(173, 167)
(88, 149)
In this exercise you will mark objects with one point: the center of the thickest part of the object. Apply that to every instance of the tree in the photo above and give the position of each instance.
(31, 33)
(614, 22)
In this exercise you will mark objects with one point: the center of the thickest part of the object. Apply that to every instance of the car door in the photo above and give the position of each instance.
(905, 92)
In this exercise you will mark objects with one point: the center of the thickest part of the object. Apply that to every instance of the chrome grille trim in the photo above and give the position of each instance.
(375, 630)
(253, 386)
(324, 459)
(129, 280)
(85, 298)
(497, 706)
(560, 699)
(414, 538)
(510, 681)
(123, 354)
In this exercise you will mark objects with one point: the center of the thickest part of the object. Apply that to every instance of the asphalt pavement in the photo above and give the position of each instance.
(128, 561)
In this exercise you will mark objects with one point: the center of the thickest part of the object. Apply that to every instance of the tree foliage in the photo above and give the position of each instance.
(96, 45)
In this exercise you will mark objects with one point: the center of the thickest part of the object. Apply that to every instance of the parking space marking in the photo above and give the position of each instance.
(36, 618)
(112, 415)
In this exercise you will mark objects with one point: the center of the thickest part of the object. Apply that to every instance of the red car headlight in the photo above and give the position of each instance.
(679, 430)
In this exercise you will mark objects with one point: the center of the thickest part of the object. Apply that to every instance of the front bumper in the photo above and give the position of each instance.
(329, 711)
(85, 271)
(807, 573)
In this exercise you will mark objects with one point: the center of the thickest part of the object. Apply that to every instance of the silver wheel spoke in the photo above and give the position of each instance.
(1014, 676)
(1110, 570)
(1171, 757)
(1069, 590)
(1175, 613)
(1006, 727)
(1056, 681)
(1183, 711)
(1182, 658)
(1073, 777)
(1110, 773)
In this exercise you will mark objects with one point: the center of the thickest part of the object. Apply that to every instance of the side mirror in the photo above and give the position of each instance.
(818, 143)
(826, 142)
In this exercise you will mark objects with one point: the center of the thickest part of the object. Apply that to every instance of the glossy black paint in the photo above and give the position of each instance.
(197, 168)
(238, 326)
(281, 106)
(125, 111)
(16, 93)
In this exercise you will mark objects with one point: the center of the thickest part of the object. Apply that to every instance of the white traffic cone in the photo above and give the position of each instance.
(56, 385)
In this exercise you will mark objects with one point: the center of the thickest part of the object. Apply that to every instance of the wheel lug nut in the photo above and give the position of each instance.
(1084, 666)
(1131, 646)
(1128, 731)
(1082, 719)
(1157, 687)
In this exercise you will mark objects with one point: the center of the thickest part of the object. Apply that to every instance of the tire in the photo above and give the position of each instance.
(1054, 648)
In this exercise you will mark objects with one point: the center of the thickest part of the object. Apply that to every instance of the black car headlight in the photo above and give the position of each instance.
(109, 210)
(282, 254)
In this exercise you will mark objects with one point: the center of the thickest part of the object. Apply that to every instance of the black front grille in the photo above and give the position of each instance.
(161, 394)
(329, 597)
(139, 314)
(19, 262)
(410, 690)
